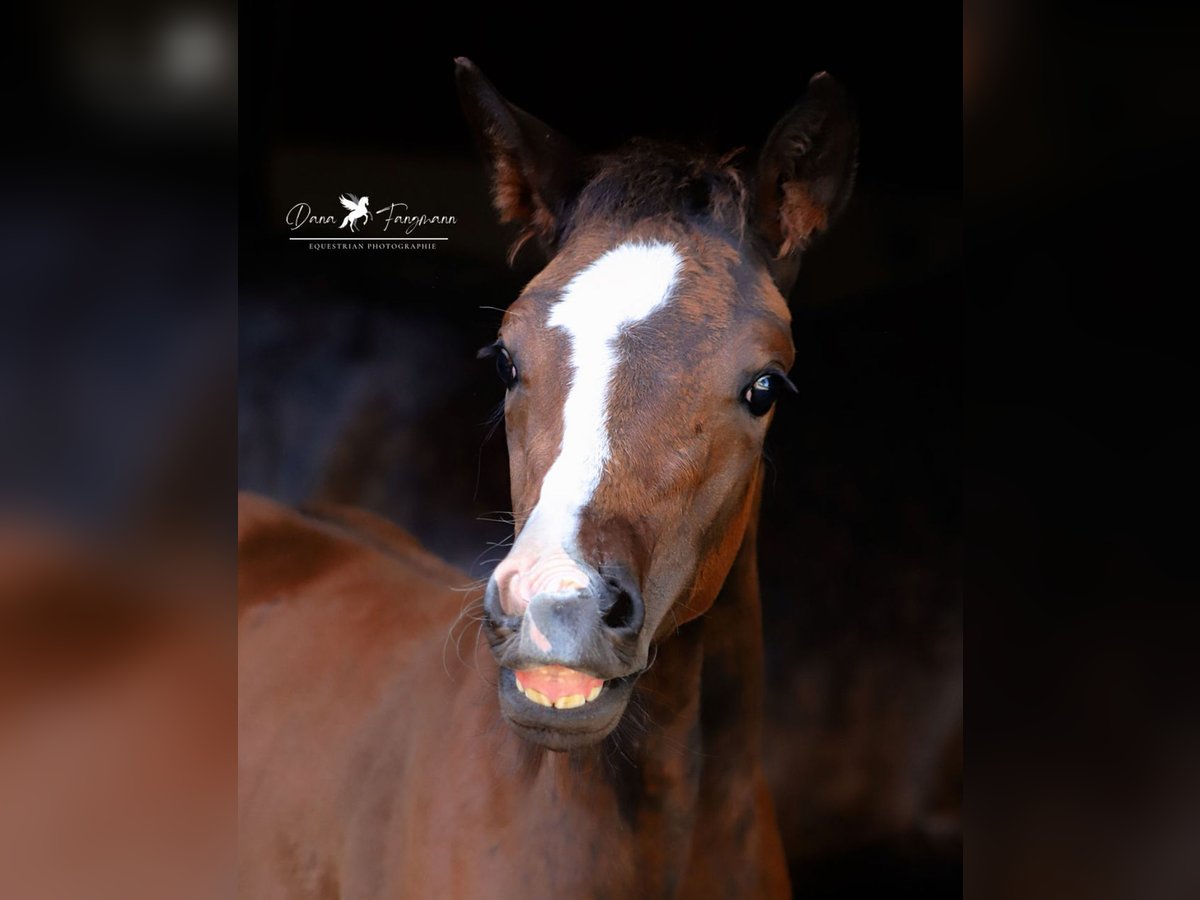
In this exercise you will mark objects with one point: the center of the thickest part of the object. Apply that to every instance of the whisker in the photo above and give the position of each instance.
(494, 420)
(464, 614)
(471, 586)
(770, 464)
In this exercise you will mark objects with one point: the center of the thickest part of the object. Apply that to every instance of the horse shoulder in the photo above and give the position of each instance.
(333, 603)
(346, 655)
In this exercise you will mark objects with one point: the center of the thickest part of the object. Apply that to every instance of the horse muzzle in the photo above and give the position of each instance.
(568, 659)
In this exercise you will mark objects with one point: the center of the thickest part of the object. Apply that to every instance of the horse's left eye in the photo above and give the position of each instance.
(761, 393)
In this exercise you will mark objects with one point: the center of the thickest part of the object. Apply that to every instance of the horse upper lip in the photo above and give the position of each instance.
(505, 640)
(522, 664)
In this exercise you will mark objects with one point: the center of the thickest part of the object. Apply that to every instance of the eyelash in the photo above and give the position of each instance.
(506, 367)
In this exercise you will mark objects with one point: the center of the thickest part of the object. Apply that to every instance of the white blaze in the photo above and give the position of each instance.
(622, 287)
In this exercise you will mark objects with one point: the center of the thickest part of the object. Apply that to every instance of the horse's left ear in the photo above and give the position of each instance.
(535, 171)
(805, 174)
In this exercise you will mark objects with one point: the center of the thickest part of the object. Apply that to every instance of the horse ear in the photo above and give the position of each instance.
(806, 173)
(534, 170)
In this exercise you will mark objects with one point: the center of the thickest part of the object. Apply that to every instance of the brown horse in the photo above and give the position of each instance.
(608, 745)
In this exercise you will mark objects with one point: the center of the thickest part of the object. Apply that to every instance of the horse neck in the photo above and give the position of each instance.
(702, 697)
(681, 771)
(731, 691)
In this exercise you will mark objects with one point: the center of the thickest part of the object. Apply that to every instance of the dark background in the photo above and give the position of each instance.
(358, 382)
(1081, 137)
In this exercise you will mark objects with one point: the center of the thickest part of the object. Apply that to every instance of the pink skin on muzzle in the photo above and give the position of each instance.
(522, 575)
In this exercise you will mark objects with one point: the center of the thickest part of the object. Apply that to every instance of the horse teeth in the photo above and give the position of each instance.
(538, 697)
(569, 701)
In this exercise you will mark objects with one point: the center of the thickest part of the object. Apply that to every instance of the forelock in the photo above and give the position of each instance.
(650, 179)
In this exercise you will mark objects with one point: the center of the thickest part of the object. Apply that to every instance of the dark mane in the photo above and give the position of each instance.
(645, 179)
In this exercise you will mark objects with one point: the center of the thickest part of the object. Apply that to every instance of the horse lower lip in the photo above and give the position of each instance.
(568, 729)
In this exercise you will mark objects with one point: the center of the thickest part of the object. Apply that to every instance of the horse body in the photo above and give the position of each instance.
(600, 734)
(347, 791)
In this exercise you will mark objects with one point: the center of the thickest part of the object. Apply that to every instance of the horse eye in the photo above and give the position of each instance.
(760, 395)
(505, 367)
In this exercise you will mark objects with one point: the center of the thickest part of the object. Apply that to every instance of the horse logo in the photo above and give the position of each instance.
(358, 210)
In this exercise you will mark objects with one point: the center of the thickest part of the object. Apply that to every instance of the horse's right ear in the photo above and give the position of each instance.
(535, 171)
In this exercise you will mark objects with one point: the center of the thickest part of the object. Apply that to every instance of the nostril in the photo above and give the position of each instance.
(493, 608)
(491, 600)
(624, 612)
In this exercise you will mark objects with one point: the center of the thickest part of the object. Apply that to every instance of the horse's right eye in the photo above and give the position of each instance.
(505, 367)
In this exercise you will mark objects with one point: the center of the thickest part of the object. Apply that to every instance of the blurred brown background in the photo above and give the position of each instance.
(118, 698)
